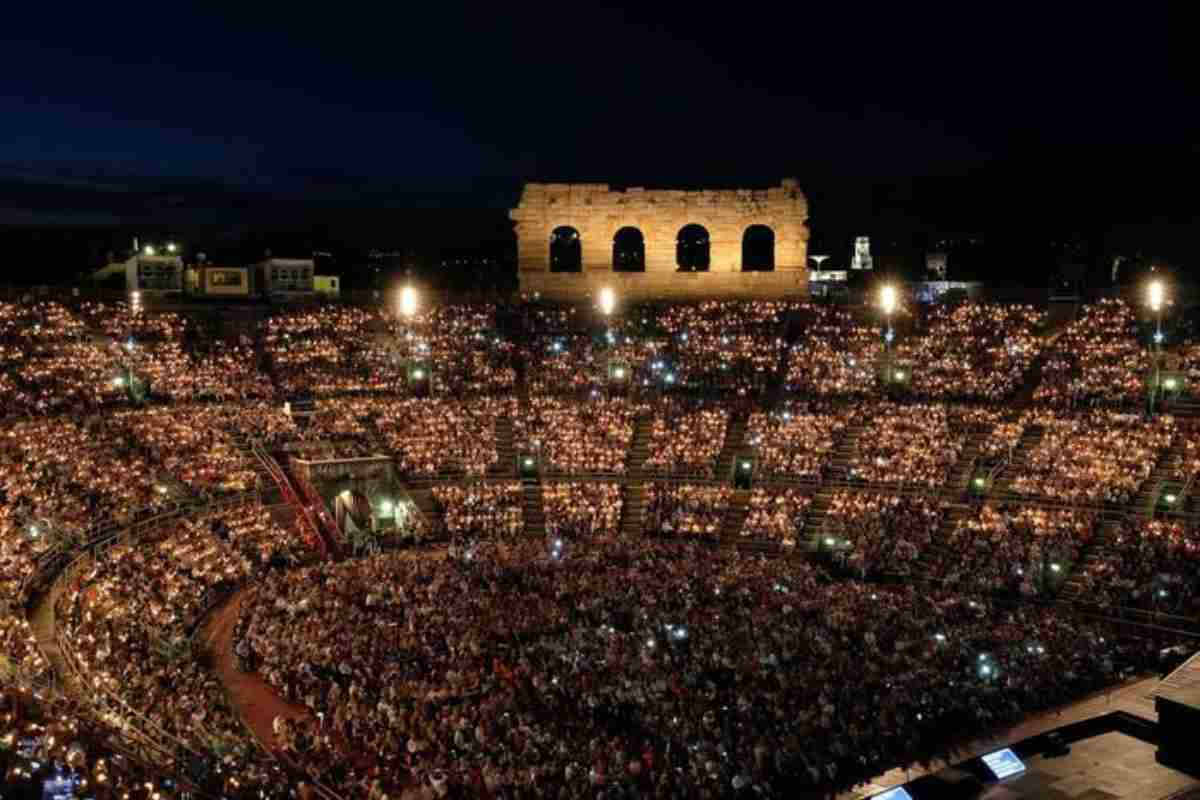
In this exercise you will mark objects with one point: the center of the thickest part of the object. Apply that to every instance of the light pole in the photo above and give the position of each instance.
(887, 304)
(1156, 294)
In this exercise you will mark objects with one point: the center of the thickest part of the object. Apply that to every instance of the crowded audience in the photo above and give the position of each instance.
(1150, 564)
(582, 436)
(581, 509)
(1094, 457)
(776, 514)
(686, 438)
(685, 510)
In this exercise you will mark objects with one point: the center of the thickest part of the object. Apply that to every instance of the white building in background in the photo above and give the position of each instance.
(860, 256)
(154, 274)
(285, 276)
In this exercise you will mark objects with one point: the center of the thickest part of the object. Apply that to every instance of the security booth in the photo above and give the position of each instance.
(743, 471)
(528, 466)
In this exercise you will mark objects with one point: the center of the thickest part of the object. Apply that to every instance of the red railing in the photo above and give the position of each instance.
(312, 529)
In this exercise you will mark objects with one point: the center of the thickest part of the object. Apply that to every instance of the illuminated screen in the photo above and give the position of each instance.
(898, 793)
(1004, 763)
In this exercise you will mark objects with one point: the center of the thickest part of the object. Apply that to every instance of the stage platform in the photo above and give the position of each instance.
(1113, 738)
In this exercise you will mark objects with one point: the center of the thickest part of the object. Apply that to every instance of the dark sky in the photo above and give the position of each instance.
(353, 104)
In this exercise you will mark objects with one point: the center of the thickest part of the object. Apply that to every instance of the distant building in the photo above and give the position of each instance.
(216, 281)
(153, 274)
(286, 276)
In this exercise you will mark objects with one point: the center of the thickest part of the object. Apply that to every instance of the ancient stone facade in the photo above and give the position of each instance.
(587, 217)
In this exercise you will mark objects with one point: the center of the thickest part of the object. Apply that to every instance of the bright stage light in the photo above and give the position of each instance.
(607, 300)
(888, 298)
(1156, 294)
(408, 301)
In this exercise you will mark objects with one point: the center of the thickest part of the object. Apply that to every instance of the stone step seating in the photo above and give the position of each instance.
(843, 453)
(1030, 439)
(533, 512)
(506, 461)
(959, 480)
(1168, 468)
(1101, 545)
(735, 442)
(735, 516)
(639, 448)
(632, 509)
(939, 546)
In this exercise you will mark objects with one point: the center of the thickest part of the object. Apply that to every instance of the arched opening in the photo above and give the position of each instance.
(566, 250)
(692, 248)
(629, 251)
(758, 249)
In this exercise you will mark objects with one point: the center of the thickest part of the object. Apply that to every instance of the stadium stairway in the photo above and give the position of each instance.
(940, 549)
(816, 513)
(639, 448)
(533, 512)
(633, 509)
(423, 499)
(843, 453)
(1170, 464)
(735, 442)
(1030, 439)
(735, 516)
(506, 462)
(1074, 589)
(960, 475)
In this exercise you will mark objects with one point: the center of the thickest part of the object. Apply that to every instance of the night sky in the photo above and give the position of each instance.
(343, 105)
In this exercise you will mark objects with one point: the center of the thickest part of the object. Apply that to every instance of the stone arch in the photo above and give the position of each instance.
(629, 250)
(758, 249)
(566, 250)
(693, 248)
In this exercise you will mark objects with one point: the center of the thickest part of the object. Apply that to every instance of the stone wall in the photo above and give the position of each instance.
(598, 212)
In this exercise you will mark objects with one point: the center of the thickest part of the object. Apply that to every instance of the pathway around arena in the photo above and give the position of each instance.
(251, 696)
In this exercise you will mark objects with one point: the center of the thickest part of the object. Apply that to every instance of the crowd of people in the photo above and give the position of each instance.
(126, 622)
(578, 437)
(1150, 564)
(977, 351)
(686, 438)
(685, 510)
(1011, 548)
(795, 441)
(529, 666)
(654, 669)
(1097, 359)
(776, 514)
(907, 444)
(874, 533)
(1092, 457)
(493, 511)
(582, 509)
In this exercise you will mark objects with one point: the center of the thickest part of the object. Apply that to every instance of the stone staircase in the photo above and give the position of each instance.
(506, 462)
(959, 480)
(533, 512)
(422, 497)
(633, 509)
(735, 442)
(940, 549)
(1167, 470)
(1100, 547)
(843, 454)
(1030, 439)
(735, 516)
